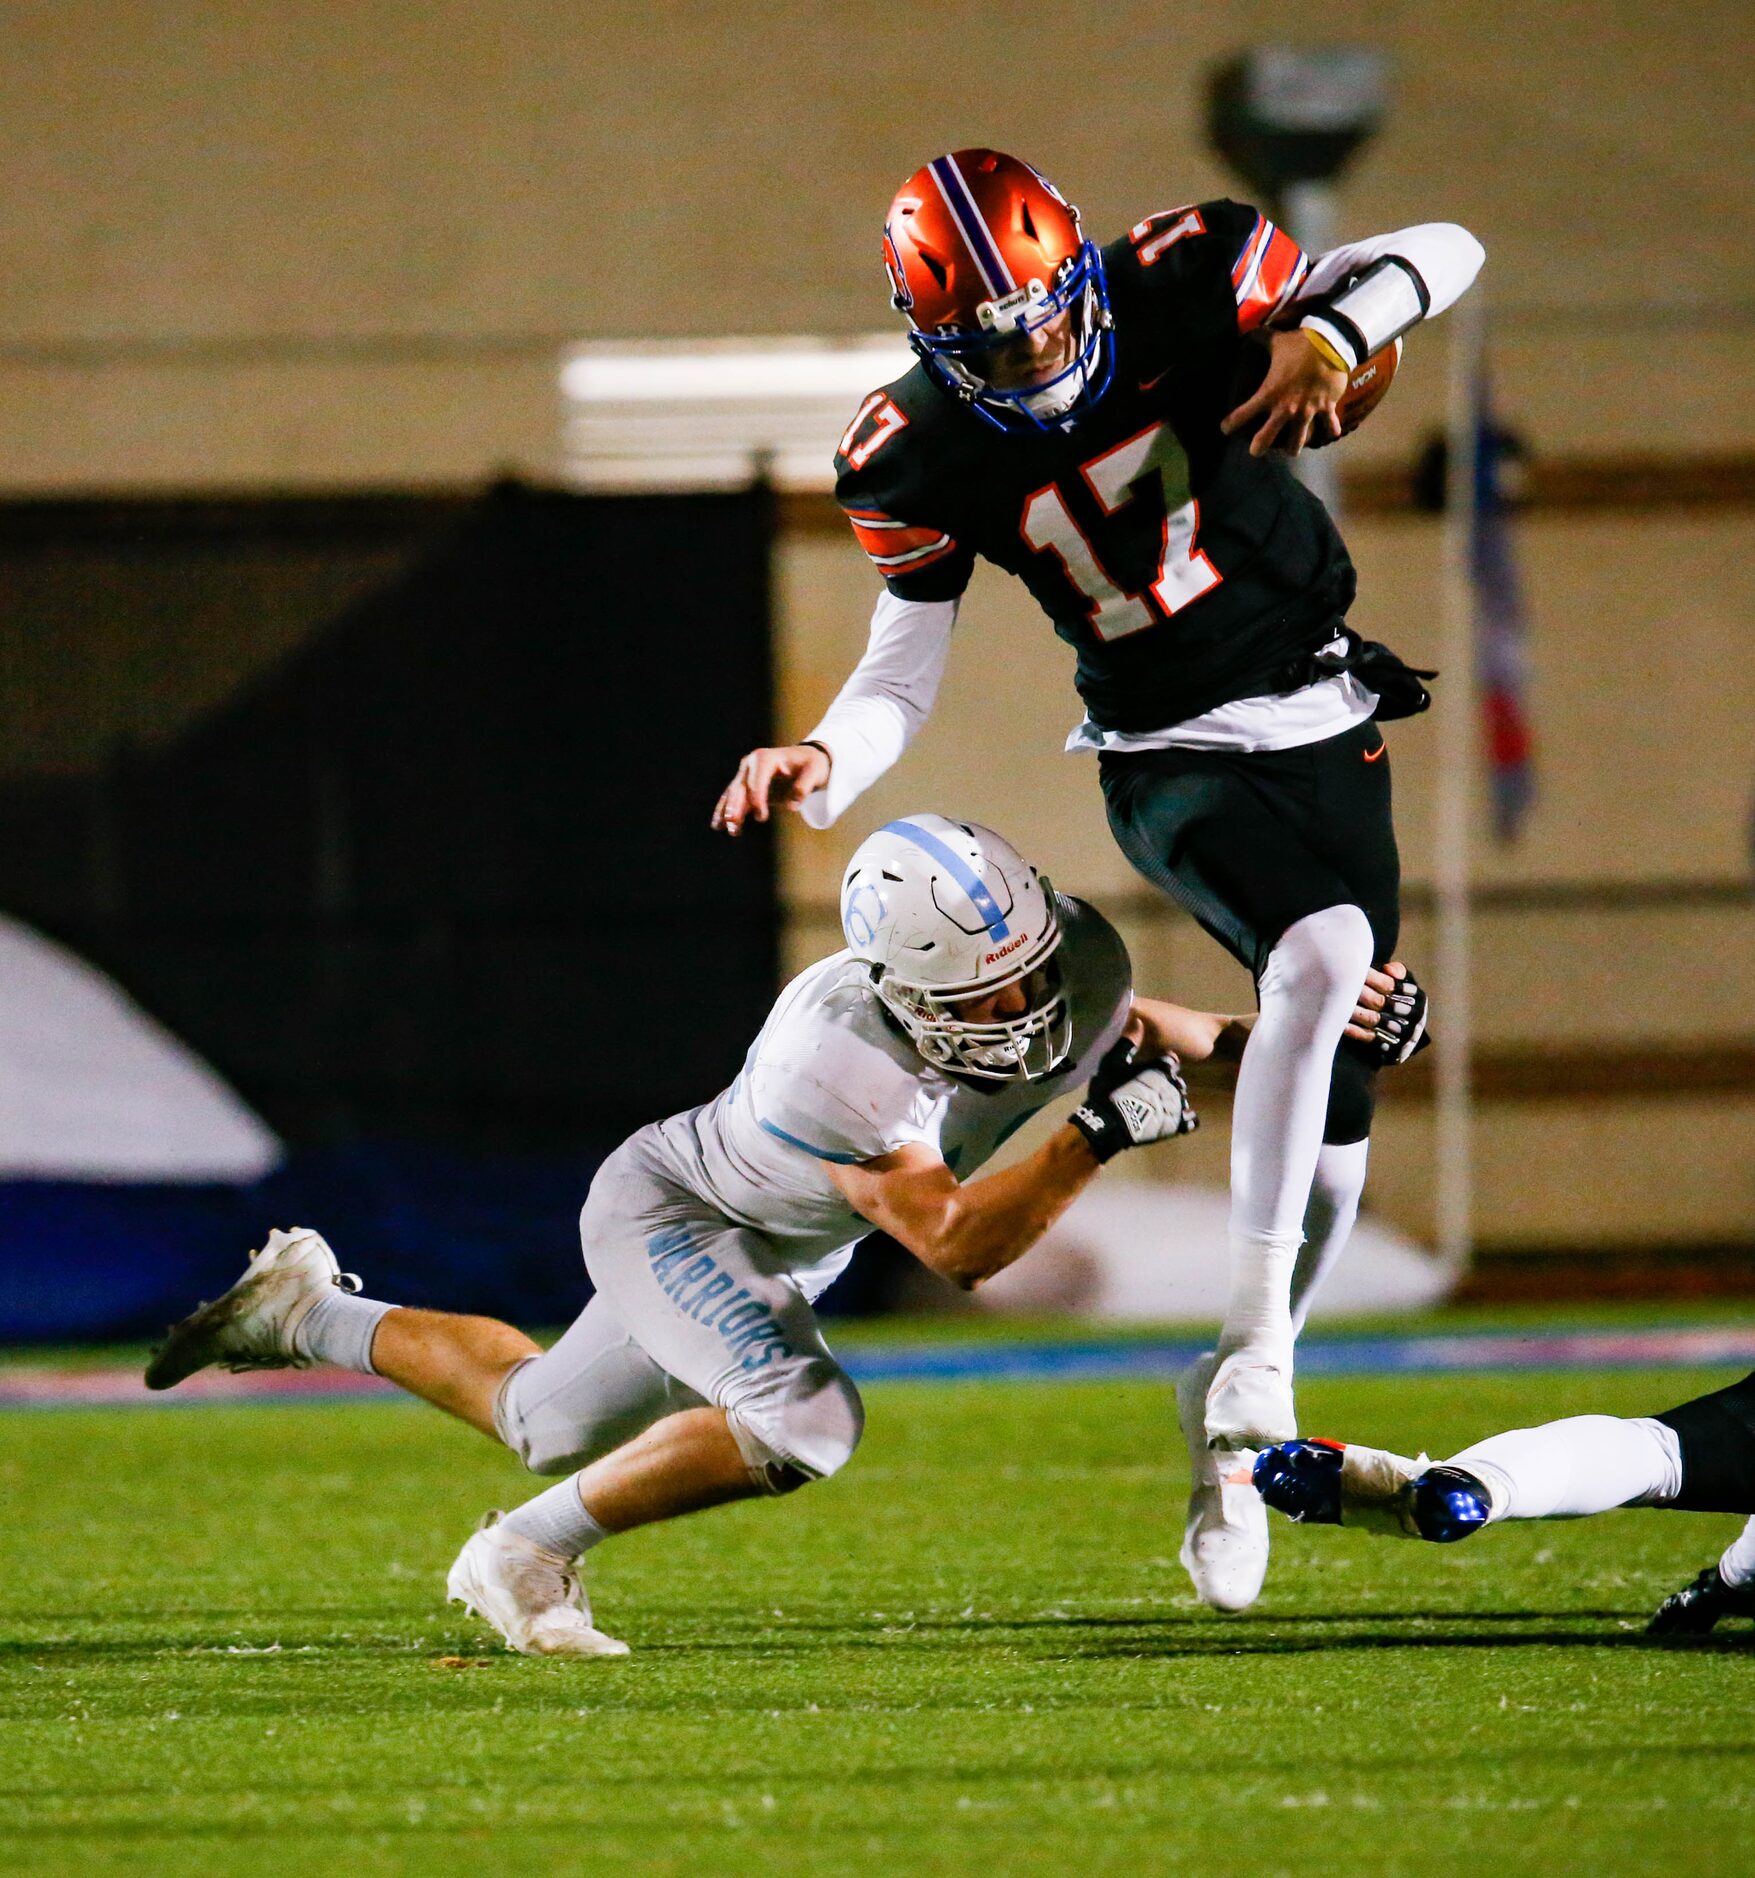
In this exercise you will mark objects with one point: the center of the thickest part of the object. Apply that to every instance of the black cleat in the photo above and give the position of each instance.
(1692, 1611)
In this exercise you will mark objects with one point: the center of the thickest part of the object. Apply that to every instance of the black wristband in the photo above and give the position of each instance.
(1099, 1121)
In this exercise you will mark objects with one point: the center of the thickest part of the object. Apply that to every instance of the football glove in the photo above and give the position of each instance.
(1131, 1104)
(1401, 1025)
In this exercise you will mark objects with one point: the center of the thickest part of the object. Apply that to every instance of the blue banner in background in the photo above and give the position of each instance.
(497, 1234)
(1502, 624)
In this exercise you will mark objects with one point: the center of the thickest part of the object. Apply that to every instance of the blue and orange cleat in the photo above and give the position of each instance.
(1301, 1479)
(1328, 1483)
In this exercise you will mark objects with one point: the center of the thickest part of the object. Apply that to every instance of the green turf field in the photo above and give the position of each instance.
(225, 1652)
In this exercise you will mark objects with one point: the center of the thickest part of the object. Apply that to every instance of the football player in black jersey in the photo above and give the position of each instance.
(1697, 1458)
(1112, 426)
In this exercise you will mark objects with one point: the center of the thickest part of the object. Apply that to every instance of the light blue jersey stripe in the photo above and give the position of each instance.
(822, 1154)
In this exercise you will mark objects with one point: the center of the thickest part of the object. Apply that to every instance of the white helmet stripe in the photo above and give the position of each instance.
(976, 236)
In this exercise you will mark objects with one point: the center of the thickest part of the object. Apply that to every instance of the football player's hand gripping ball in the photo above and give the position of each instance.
(1131, 1104)
(1297, 399)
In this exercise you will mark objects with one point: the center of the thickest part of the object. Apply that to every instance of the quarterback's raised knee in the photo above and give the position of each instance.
(1317, 968)
(1323, 950)
(803, 1431)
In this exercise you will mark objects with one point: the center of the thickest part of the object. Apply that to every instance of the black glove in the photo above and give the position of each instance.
(1401, 1025)
(1131, 1104)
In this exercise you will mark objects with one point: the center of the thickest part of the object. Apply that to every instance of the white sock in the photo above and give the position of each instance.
(1569, 1469)
(1737, 1567)
(1258, 1312)
(339, 1328)
(557, 1521)
(1308, 989)
(1328, 1221)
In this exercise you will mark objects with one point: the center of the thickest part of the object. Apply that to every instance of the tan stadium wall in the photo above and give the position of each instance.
(293, 242)
(1645, 666)
(294, 245)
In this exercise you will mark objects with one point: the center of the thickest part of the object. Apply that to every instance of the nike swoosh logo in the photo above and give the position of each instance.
(1147, 384)
(1371, 756)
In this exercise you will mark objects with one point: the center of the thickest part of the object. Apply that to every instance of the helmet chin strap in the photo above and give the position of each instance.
(1058, 399)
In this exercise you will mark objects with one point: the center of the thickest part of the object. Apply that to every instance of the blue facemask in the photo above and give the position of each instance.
(961, 361)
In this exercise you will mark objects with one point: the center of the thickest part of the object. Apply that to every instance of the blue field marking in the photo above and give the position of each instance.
(1111, 1359)
(1087, 1359)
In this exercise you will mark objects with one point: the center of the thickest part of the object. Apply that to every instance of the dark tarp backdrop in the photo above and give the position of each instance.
(435, 892)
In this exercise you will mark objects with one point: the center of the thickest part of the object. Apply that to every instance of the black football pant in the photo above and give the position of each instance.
(1252, 844)
(1716, 1434)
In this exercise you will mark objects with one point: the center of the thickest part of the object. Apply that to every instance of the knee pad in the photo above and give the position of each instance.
(803, 1426)
(552, 1436)
(1716, 1434)
(511, 1424)
(1352, 1095)
(1321, 957)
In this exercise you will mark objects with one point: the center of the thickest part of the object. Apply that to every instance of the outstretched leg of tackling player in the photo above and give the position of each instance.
(682, 1462)
(518, 1571)
(456, 1363)
(696, 1376)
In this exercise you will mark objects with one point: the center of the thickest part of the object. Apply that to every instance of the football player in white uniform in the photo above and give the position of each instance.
(970, 994)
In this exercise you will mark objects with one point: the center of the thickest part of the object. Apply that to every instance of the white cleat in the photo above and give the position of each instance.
(1250, 1404)
(252, 1326)
(531, 1596)
(1225, 1542)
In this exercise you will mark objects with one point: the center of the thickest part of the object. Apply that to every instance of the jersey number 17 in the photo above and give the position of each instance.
(1184, 572)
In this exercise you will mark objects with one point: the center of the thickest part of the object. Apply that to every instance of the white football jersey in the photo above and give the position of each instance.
(833, 1079)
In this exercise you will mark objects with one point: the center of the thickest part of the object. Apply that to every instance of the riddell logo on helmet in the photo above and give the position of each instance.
(1011, 945)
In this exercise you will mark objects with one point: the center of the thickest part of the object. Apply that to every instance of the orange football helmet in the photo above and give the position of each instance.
(1005, 298)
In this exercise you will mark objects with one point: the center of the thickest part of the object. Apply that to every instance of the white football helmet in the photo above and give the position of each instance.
(946, 911)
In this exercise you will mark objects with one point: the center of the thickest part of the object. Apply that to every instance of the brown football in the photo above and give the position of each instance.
(1364, 393)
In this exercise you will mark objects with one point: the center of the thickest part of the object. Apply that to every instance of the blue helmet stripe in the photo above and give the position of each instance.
(973, 229)
(960, 871)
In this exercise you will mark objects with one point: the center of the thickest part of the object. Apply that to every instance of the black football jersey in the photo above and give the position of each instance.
(1184, 572)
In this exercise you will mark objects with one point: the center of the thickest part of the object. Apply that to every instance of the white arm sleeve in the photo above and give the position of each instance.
(887, 697)
(1446, 257)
